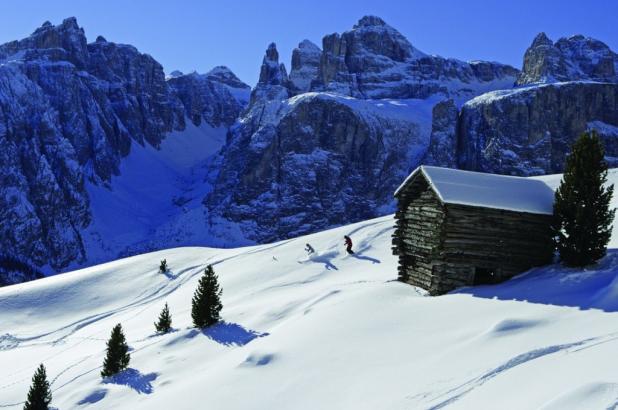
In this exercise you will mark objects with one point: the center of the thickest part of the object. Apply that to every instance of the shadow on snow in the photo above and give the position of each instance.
(593, 287)
(93, 397)
(228, 334)
(141, 383)
(366, 258)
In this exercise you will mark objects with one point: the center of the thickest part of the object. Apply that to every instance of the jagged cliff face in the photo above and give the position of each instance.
(305, 66)
(319, 148)
(571, 87)
(217, 97)
(320, 161)
(572, 58)
(105, 94)
(42, 200)
(568, 87)
(530, 131)
(70, 111)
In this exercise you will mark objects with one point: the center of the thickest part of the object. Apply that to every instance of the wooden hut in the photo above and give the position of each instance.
(457, 228)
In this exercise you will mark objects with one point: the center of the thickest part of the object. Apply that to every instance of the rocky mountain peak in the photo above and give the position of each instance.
(224, 75)
(271, 72)
(541, 39)
(372, 34)
(370, 21)
(305, 65)
(66, 41)
(271, 53)
(101, 39)
(174, 74)
(374, 60)
(568, 59)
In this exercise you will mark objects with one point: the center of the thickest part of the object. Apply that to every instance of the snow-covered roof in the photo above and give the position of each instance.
(454, 186)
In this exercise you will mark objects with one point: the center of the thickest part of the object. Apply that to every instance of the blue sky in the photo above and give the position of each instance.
(197, 35)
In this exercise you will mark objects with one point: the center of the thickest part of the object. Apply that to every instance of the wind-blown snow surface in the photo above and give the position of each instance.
(328, 332)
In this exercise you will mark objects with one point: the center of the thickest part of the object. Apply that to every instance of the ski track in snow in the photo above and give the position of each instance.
(458, 392)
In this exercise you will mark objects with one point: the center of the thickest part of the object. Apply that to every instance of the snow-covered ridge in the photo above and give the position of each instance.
(497, 95)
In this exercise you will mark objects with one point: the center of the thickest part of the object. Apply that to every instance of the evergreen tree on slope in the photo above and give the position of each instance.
(582, 217)
(164, 324)
(118, 357)
(39, 395)
(206, 304)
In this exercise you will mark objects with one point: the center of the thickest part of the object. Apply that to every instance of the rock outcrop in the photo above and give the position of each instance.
(573, 58)
(529, 131)
(323, 160)
(305, 66)
(373, 60)
(217, 97)
(571, 86)
(443, 141)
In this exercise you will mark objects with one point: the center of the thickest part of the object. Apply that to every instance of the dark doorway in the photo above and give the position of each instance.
(485, 276)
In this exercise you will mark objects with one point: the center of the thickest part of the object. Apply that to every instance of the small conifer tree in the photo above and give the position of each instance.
(582, 218)
(118, 357)
(206, 304)
(163, 266)
(39, 395)
(164, 324)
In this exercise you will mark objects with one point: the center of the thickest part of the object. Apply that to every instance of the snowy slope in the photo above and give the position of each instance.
(330, 332)
(156, 201)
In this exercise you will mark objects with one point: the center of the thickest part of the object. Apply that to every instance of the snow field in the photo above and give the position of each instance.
(332, 332)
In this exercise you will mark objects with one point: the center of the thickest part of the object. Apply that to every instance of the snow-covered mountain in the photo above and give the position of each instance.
(568, 59)
(328, 144)
(69, 113)
(330, 331)
(564, 89)
(103, 155)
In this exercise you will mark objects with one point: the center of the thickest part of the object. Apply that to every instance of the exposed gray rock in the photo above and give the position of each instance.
(271, 90)
(71, 110)
(43, 204)
(529, 131)
(305, 65)
(573, 58)
(373, 60)
(321, 161)
(443, 141)
(300, 161)
(217, 97)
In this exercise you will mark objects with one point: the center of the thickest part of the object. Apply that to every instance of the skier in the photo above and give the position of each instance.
(309, 249)
(348, 245)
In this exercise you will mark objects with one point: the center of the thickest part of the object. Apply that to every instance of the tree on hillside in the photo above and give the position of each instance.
(163, 266)
(164, 324)
(582, 216)
(206, 304)
(39, 395)
(118, 357)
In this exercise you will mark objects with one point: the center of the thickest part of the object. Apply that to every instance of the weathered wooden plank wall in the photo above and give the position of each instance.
(441, 245)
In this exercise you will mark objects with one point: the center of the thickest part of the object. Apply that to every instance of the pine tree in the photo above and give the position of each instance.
(163, 266)
(117, 358)
(39, 395)
(582, 217)
(164, 324)
(206, 304)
